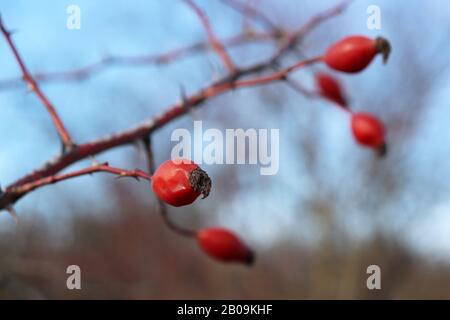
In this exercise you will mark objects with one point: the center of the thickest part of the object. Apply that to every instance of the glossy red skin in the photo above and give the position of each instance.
(170, 183)
(367, 130)
(351, 54)
(224, 246)
(330, 88)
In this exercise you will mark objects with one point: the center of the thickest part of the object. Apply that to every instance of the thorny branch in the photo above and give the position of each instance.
(48, 172)
(33, 86)
(104, 167)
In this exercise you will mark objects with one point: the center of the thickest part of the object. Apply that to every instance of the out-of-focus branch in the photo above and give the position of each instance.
(33, 86)
(84, 72)
(212, 39)
(251, 12)
(320, 18)
(88, 70)
(131, 135)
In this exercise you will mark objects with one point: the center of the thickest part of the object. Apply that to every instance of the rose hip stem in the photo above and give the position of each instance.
(162, 207)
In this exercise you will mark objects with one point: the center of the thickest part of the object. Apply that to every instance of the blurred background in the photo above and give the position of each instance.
(332, 210)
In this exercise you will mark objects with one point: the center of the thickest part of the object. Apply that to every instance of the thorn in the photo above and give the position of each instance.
(13, 214)
(184, 100)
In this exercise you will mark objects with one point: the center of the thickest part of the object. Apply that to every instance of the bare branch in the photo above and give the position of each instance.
(33, 86)
(88, 70)
(250, 12)
(104, 167)
(215, 43)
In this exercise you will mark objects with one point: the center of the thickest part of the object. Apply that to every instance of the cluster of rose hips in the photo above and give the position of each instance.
(351, 55)
(180, 182)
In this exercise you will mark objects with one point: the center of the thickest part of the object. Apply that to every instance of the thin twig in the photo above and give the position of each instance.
(94, 68)
(251, 12)
(280, 75)
(215, 42)
(104, 167)
(33, 86)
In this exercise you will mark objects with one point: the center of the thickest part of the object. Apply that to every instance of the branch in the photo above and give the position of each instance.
(280, 75)
(321, 17)
(104, 167)
(128, 136)
(215, 43)
(84, 72)
(248, 11)
(88, 70)
(33, 86)
(125, 137)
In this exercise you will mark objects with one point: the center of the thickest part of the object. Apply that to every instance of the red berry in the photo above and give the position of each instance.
(330, 89)
(223, 245)
(352, 54)
(368, 131)
(179, 182)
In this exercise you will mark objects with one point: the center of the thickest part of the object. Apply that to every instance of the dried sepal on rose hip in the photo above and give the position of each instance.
(330, 89)
(179, 182)
(354, 53)
(369, 131)
(223, 245)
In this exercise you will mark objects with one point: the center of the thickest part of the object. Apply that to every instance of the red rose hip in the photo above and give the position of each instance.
(354, 53)
(330, 89)
(368, 131)
(179, 182)
(223, 245)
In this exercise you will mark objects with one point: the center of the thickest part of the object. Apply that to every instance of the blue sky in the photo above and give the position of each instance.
(122, 96)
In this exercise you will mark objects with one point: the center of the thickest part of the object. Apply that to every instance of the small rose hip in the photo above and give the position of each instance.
(179, 182)
(330, 89)
(223, 245)
(354, 53)
(368, 131)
